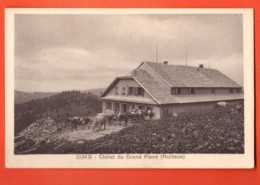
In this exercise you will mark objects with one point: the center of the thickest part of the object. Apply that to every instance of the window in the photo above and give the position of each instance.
(134, 92)
(108, 105)
(130, 90)
(123, 91)
(140, 91)
(116, 90)
(141, 107)
(192, 91)
(178, 91)
(116, 107)
(149, 108)
(124, 108)
(237, 90)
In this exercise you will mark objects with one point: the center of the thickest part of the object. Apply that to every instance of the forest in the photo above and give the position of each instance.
(58, 107)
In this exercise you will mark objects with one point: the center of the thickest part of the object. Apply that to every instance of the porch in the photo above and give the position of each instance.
(126, 107)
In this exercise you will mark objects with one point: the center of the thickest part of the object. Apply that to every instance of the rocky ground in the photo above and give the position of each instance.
(215, 131)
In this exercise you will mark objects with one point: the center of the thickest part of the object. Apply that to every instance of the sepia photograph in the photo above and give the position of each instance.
(158, 88)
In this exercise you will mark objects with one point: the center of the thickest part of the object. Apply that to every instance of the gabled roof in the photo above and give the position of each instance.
(158, 86)
(162, 93)
(187, 76)
(113, 83)
(154, 85)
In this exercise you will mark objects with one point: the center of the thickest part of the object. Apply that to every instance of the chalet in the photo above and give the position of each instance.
(167, 89)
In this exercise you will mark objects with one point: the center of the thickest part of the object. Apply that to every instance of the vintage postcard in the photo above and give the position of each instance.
(129, 88)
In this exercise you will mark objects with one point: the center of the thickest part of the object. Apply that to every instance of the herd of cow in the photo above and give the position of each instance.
(108, 117)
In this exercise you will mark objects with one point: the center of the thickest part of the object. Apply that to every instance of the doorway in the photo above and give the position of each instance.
(124, 108)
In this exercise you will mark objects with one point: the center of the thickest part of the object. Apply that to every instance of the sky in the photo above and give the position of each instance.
(64, 52)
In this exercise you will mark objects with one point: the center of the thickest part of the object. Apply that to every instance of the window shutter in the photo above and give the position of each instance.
(135, 89)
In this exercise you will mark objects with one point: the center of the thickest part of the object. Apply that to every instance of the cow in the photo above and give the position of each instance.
(110, 116)
(76, 121)
(121, 117)
(98, 121)
(85, 121)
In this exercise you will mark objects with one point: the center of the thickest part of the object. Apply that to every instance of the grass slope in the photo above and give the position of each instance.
(215, 131)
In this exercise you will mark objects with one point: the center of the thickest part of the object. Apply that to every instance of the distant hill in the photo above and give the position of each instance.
(21, 97)
(58, 107)
(97, 91)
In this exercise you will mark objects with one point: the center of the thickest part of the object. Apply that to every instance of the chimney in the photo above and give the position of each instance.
(201, 66)
(165, 62)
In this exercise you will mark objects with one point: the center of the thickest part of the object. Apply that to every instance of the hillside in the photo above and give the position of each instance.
(214, 131)
(21, 97)
(58, 107)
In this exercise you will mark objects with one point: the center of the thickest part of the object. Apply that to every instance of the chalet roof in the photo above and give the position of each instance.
(162, 94)
(152, 84)
(187, 76)
(127, 74)
(158, 82)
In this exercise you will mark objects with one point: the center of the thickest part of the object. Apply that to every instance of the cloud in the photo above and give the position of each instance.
(87, 51)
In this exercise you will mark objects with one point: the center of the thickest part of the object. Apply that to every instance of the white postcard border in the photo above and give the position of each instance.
(245, 160)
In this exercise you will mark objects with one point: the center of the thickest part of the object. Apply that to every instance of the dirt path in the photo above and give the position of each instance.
(85, 134)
